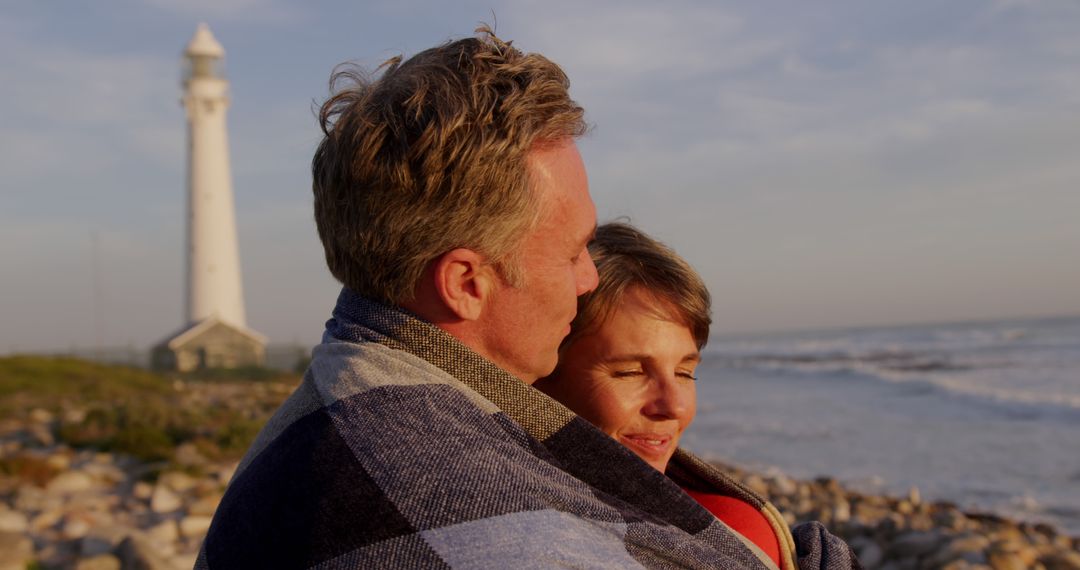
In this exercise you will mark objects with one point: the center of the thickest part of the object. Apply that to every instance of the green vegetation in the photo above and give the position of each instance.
(133, 411)
(60, 379)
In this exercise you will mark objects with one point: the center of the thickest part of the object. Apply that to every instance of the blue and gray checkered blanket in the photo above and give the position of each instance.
(402, 448)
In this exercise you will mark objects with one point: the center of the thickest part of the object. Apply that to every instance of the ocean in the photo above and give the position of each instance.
(985, 415)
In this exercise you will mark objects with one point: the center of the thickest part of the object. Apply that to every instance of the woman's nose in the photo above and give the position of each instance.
(669, 398)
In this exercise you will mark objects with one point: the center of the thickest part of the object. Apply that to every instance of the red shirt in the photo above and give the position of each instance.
(744, 519)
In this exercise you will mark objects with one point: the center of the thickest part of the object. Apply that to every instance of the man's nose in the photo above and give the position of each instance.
(587, 278)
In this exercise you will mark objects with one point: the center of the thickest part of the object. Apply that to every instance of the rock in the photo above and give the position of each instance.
(870, 554)
(74, 415)
(207, 486)
(102, 539)
(165, 532)
(99, 562)
(964, 565)
(920, 522)
(92, 502)
(868, 513)
(138, 553)
(18, 551)
(29, 498)
(1011, 554)
(46, 520)
(968, 548)
(103, 458)
(41, 416)
(225, 474)
(892, 523)
(57, 554)
(184, 560)
(205, 505)
(832, 486)
(841, 512)
(905, 564)
(41, 435)
(104, 472)
(164, 500)
(70, 482)
(188, 455)
(177, 481)
(757, 484)
(58, 461)
(1006, 561)
(950, 518)
(194, 526)
(1062, 561)
(783, 484)
(10, 448)
(13, 521)
(74, 528)
(914, 544)
(1063, 542)
(142, 490)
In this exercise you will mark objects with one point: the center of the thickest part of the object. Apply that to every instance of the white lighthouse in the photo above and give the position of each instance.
(216, 333)
(213, 257)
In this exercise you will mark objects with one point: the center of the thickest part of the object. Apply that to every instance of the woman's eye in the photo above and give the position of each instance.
(627, 373)
(685, 374)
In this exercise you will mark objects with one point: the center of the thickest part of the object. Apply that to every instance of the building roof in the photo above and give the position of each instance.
(203, 43)
(193, 330)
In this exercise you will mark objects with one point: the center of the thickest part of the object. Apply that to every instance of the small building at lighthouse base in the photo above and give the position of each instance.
(210, 343)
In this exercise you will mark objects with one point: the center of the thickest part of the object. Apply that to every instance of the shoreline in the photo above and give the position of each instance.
(899, 533)
(104, 510)
(64, 505)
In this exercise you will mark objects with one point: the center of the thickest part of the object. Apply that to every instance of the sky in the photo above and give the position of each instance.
(824, 164)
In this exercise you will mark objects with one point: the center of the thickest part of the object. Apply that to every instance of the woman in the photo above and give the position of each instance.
(628, 367)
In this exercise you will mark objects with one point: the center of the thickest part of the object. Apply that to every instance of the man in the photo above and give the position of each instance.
(453, 205)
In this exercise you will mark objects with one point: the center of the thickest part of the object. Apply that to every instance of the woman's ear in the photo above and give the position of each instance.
(463, 281)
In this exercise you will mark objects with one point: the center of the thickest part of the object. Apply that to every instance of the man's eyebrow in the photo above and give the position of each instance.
(592, 235)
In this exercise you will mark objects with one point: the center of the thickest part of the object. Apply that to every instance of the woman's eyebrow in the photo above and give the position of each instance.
(640, 357)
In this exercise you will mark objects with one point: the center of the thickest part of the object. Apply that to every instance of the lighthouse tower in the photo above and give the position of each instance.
(213, 258)
(216, 333)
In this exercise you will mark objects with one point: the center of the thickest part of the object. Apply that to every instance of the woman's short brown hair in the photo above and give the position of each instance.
(431, 156)
(626, 257)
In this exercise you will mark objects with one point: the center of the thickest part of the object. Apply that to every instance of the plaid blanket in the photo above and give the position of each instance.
(402, 448)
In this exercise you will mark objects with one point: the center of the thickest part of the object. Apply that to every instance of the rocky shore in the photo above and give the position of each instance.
(63, 506)
(907, 533)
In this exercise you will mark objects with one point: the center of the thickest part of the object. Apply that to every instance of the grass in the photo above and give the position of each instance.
(135, 411)
(62, 379)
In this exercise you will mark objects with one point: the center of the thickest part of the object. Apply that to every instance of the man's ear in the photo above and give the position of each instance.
(463, 281)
